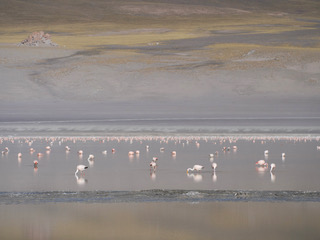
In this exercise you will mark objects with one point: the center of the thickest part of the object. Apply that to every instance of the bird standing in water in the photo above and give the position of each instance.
(195, 168)
(262, 163)
(214, 166)
(272, 167)
(80, 168)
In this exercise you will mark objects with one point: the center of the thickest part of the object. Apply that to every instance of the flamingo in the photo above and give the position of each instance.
(195, 168)
(153, 164)
(80, 168)
(35, 164)
(272, 167)
(262, 163)
(214, 166)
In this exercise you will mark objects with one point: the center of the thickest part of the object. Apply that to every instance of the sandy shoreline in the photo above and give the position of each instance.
(81, 88)
(107, 130)
(224, 73)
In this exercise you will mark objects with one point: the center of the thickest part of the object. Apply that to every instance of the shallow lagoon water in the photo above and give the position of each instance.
(119, 197)
(118, 171)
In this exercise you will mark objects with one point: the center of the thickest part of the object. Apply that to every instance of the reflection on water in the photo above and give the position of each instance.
(261, 170)
(273, 177)
(214, 177)
(36, 230)
(80, 180)
(236, 158)
(197, 177)
(161, 220)
(153, 175)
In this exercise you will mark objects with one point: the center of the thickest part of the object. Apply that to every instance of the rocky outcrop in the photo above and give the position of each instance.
(37, 39)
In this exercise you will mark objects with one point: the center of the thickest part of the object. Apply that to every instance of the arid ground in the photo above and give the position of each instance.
(160, 59)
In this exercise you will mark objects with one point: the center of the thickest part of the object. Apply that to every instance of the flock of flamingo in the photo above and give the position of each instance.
(261, 164)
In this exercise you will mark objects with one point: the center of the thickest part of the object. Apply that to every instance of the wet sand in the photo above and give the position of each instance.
(112, 85)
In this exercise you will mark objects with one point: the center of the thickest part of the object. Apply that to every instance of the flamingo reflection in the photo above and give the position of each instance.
(153, 175)
(197, 177)
(214, 177)
(261, 169)
(272, 177)
(81, 180)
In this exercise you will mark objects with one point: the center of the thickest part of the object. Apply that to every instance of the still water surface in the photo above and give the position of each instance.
(118, 171)
(120, 197)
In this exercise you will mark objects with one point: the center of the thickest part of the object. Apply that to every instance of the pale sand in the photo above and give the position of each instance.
(57, 84)
(184, 85)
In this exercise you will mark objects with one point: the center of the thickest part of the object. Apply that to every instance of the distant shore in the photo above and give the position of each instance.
(194, 64)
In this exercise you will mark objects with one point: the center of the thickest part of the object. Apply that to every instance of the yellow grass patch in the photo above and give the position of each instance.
(142, 30)
(88, 41)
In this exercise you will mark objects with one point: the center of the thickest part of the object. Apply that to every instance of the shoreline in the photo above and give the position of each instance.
(158, 195)
(156, 135)
(238, 136)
